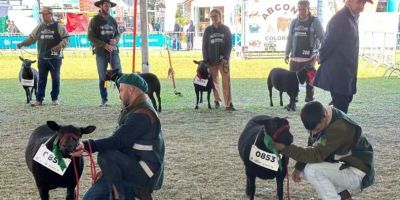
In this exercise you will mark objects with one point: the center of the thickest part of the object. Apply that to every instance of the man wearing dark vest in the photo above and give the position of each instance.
(338, 158)
(104, 36)
(305, 36)
(132, 158)
(51, 38)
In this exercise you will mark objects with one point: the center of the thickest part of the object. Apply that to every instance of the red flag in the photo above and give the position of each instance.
(77, 22)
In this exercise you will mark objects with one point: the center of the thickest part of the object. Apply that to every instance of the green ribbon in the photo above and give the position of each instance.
(269, 144)
(57, 153)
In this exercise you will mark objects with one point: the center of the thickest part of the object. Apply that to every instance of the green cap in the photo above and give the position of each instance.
(135, 80)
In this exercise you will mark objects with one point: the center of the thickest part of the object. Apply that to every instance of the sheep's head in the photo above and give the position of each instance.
(202, 69)
(69, 136)
(26, 63)
(112, 75)
(278, 129)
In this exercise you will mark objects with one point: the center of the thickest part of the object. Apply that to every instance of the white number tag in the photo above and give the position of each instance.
(49, 160)
(198, 81)
(263, 158)
(26, 82)
(302, 87)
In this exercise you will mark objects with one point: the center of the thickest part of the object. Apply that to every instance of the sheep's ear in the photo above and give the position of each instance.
(53, 125)
(21, 58)
(196, 62)
(88, 129)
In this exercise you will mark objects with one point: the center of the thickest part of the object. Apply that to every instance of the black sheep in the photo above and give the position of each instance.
(28, 77)
(65, 138)
(151, 79)
(286, 81)
(253, 134)
(202, 83)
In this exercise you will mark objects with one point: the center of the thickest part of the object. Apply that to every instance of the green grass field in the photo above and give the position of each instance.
(202, 160)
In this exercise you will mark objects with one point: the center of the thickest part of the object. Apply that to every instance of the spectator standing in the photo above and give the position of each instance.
(51, 38)
(104, 36)
(305, 36)
(217, 46)
(176, 37)
(339, 55)
(190, 35)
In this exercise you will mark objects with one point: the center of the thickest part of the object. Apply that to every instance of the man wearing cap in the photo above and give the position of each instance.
(305, 36)
(132, 158)
(339, 55)
(104, 36)
(338, 158)
(51, 38)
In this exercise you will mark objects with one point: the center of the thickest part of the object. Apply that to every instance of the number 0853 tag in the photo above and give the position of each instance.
(47, 158)
(263, 158)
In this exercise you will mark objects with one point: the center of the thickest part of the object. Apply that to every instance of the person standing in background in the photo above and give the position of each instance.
(104, 36)
(51, 38)
(217, 46)
(338, 55)
(305, 36)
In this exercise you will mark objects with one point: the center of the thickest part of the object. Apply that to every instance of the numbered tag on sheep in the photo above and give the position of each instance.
(263, 158)
(47, 158)
(199, 81)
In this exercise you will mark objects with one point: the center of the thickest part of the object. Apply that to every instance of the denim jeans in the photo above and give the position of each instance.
(120, 170)
(45, 66)
(328, 180)
(102, 61)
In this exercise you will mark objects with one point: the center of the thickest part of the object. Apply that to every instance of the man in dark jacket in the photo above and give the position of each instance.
(339, 55)
(104, 36)
(338, 158)
(132, 158)
(217, 46)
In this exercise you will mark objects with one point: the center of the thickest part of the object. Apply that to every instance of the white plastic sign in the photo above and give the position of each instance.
(264, 159)
(198, 81)
(302, 87)
(26, 82)
(49, 160)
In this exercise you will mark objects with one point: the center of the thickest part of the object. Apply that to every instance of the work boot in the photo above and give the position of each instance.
(345, 195)
(36, 103)
(230, 108)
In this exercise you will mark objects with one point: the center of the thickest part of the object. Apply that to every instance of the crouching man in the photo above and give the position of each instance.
(132, 158)
(338, 158)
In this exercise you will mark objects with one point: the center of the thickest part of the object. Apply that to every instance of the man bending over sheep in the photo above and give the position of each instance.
(132, 158)
(338, 158)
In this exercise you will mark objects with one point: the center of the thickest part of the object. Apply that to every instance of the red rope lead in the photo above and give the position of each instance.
(76, 178)
(93, 172)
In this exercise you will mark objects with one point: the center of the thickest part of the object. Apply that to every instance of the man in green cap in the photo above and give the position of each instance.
(132, 158)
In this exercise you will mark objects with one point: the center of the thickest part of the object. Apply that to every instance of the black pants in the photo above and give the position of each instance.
(341, 101)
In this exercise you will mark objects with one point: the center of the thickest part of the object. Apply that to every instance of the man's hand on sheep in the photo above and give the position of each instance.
(78, 151)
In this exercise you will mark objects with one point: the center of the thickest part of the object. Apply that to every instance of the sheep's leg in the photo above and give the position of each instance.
(70, 193)
(201, 97)
(269, 85)
(208, 99)
(28, 97)
(279, 186)
(251, 186)
(197, 99)
(44, 193)
(280, 97)
(153, 101)
(159, 100)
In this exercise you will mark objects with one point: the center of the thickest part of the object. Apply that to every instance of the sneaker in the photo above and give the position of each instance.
(230, 108)
(103, 104)
(55, 103)
(36, 103)
(217, 105)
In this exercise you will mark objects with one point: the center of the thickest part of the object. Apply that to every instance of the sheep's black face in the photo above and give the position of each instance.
(279, 131)
(26, 63)
(69, 136)
(202, 70)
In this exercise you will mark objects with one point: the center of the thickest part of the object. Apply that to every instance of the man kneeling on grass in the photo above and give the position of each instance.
(338, 158)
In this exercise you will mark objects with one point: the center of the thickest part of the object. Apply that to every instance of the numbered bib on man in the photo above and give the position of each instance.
(199, 81)
(26, 82)
(263, 158)
(47, 158)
